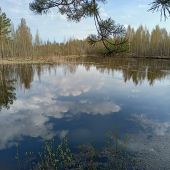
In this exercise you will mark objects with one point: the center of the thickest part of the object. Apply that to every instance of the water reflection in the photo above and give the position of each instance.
(137, 71)
(7, 92)
(31, 112)
(84, 100)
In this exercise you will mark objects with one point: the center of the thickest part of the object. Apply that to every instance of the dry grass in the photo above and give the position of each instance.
(39, 60)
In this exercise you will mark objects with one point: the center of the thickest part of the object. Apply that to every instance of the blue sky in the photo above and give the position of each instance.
(56, 27)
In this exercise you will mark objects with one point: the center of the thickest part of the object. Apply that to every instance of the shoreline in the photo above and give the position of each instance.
(40, 60)
(62, 59)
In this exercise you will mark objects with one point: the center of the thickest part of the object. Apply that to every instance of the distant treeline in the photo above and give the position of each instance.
(152, 44)
(19, 43)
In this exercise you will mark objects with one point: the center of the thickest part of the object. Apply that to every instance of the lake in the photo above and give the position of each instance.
(85, 99)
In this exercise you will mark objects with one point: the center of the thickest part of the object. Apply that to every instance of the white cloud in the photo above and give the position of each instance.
(143, 6)
(55, 26)
(103, 13)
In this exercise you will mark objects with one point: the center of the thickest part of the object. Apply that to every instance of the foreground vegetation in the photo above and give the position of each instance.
(114, 155)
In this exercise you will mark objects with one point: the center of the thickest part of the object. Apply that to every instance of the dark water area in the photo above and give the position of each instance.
(85, 99)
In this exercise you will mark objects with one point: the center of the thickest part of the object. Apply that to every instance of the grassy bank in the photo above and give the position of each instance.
(43, 60)
(70, 59)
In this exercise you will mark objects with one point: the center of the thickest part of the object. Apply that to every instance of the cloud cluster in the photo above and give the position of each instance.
(56, 97)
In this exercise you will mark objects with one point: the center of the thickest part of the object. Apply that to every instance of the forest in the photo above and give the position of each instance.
(19, 43)
(99, 102)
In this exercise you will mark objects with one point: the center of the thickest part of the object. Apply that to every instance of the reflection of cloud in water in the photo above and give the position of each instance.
(155, 127)
(101, 108)
(34, 121)
(30, 114)
(15, 125)
(152, 151)
(152, 145)
(62, 134)
(76, 84)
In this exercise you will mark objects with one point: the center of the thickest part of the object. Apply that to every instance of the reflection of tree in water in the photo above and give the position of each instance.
(25, 74)
(133, 70)
(136, 70)
(10, 75)
(70, 68)
(7, 88)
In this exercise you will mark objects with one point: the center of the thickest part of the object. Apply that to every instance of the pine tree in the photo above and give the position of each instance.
(5, 25)
(161, 5)
(110, 34)
(37, 39)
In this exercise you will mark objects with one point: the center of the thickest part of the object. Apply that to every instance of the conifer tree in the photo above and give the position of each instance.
(5, 25)
(37, 39)
(112, 35)
(161, 5)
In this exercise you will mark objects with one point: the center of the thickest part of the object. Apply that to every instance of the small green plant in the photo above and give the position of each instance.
(53, 157)
(114, 155)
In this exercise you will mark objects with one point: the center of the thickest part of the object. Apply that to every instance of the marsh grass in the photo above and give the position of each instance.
(114, 155)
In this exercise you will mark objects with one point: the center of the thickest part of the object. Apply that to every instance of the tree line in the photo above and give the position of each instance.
(144, 43)
(19, 43)
(111, 35)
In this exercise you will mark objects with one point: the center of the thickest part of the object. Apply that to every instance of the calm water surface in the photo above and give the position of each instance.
(85, 100)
